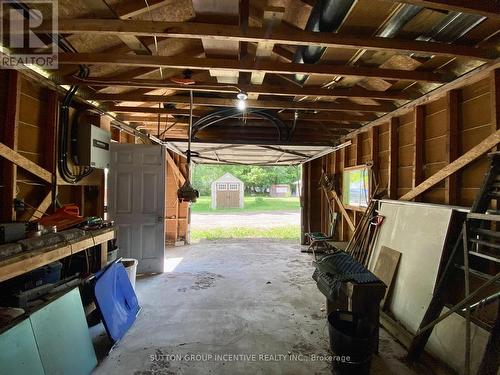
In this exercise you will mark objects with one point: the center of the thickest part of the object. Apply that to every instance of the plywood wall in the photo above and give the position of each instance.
(426, 138)
(36, 116)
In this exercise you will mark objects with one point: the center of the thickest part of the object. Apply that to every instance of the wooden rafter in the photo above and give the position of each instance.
(282, 36)
(249, 66)
(265, 89)
(487, 8)
(267, 104)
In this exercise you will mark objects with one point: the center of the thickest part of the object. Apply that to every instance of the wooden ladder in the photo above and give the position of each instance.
(476, 249)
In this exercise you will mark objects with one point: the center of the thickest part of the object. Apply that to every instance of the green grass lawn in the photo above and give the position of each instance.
(286, 232)
(202, 205)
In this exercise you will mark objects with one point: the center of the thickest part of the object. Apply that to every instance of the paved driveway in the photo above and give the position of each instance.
(263, 219)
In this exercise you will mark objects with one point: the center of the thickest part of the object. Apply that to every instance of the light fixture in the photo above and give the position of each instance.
(241, 105)
(242, 97)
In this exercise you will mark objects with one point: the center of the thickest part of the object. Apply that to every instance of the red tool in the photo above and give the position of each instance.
(65, 217)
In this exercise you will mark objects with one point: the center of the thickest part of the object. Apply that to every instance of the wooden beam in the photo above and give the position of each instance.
(495, 99)
(285, 35)
(176, 170)
(132, 8)
(21, 161)
(265, 89)
(486, 8)
(274, 67)
(221, 102)
(392, 185)
(471, 155)
(343, 210)
(330, 116)
(9, 136)
(359, 149)
(418, 144)
(50, 135)
(283, 52)
(452, 144)
(374, 149)
(42, 207)
(469, 78)
(184, 122)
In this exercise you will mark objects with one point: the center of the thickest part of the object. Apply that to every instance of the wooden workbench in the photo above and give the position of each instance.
(29, 260)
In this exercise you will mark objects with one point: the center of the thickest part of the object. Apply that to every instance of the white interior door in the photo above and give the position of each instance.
(136, 197)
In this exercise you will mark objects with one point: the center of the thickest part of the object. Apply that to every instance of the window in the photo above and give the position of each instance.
(356, 187)
(221, 186)
(233, 186)
(281, 189)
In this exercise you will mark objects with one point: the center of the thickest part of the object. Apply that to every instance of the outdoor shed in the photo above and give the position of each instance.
(279, 191)
(227, 192)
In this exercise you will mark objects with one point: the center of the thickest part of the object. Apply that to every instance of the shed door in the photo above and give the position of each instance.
(137, 202)
(228, 195)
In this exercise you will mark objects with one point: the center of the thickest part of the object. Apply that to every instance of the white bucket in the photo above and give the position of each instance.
(130, 265)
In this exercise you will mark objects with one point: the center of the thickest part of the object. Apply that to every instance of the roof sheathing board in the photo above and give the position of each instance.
(366, 17)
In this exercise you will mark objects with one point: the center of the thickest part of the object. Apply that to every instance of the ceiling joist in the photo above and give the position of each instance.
(250, 66)
(330, 116)
(265, 104)
(170, 121)
(255, 35)
(264, 89)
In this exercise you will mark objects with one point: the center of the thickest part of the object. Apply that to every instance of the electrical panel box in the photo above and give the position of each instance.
(93, 146)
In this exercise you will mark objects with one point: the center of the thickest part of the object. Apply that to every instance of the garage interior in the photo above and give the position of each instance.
(390, 107)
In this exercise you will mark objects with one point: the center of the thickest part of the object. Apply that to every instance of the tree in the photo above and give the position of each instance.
(256, 178)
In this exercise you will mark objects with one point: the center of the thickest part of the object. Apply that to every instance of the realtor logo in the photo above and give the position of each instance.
(22, 46)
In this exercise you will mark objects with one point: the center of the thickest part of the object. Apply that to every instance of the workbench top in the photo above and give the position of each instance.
(29, 260)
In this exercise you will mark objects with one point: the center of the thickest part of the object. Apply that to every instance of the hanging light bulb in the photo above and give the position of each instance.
(242, 97)
(241, 105)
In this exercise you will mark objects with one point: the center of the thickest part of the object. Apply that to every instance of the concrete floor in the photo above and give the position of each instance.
(234, 307)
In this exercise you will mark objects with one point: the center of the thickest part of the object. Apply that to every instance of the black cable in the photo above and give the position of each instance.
(66, 173)
(227, 113)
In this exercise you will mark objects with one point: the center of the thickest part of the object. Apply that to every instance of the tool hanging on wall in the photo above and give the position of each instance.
(187, 193)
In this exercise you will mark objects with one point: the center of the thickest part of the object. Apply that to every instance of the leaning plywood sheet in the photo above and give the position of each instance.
(18, 351)
(385, 269)
(418, 231)
(62, 336)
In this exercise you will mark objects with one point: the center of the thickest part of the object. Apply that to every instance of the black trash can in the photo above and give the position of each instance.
(352, 341)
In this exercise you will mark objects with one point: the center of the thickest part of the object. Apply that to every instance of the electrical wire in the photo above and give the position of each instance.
(227, 113)
(66, 173)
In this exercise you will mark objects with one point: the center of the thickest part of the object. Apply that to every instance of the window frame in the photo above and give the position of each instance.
(368, 188)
